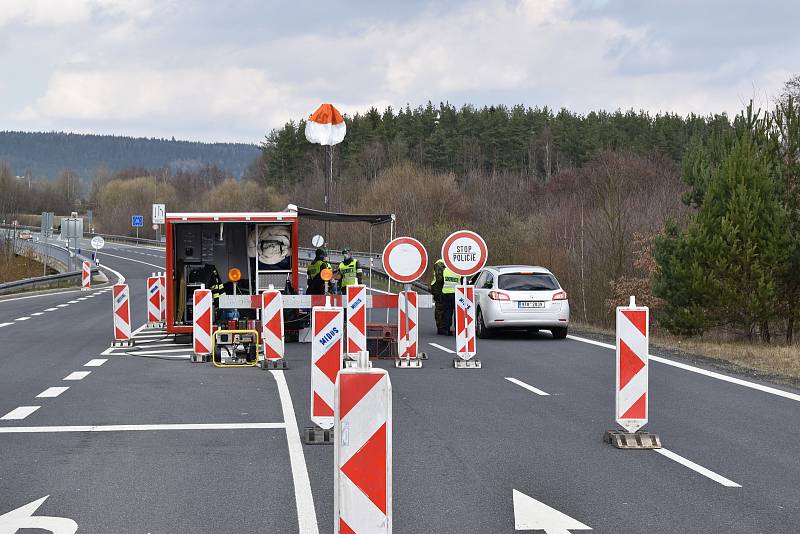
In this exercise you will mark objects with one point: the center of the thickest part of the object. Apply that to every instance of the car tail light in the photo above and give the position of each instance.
(497, 295)
(561, 295)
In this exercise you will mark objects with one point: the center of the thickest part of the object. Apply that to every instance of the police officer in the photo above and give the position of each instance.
(316, 285)
(436, 290)
(349, 270)
(450, 281)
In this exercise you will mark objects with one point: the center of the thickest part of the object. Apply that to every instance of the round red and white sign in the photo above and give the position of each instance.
(405, 259)
(464, 252)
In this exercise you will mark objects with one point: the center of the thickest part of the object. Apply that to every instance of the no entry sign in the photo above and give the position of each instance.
(405, 259)
(464, 252)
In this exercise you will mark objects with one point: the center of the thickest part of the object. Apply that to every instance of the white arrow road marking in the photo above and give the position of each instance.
(529, 387)
(530, 514)
(23, 517)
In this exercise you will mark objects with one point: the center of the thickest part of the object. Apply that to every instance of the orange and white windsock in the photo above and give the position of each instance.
(326, 126)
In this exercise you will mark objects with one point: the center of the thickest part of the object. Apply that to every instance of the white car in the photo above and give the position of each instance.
(522, 297)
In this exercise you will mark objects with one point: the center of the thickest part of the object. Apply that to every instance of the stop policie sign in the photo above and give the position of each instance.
(464, 252)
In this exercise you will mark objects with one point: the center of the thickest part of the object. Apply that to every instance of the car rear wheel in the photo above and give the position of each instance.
(559, 332)
(480, 328)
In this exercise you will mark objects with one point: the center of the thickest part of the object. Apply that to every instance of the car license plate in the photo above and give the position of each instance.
(531, 304)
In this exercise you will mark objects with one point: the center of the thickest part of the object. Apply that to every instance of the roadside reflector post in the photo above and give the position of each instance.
(202, 324)
(632, 397)
(408, 330)
(465, 329)
(122, 316)
(356, 305)
(86, 276)
(272, 333)
(363, 452)
(327, 325)
(154, 302)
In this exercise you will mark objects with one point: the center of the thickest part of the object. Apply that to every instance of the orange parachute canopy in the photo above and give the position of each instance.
(326, 126)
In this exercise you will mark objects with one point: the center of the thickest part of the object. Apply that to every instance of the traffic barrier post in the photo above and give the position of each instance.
(631, 384)
(163, 279)
(272, 333)
(408, 355)
(356, 305)
(154, 302)
(363, 452)
(465, 329)
(202, 324)
(122, 316)
(327, 325)
(86, 276)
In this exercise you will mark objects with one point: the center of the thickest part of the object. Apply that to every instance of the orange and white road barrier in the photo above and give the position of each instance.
(356, 320)
(154, 301)
(163, 277)
(122, 316)
(407, 330)
(465, 328)
(327, 324)
(202, 323)
(363, 452)
(86, 276)
(272, 335)
(632, 376)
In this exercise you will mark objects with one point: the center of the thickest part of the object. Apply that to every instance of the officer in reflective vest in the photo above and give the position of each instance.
(349, 270)
(450, 281)
(436, 290)
(316, 285)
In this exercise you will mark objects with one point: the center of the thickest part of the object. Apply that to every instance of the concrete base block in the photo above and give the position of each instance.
(279, 364)
(472, 363)
(632, 440)
(318, 436)
(123, 343)
(408, 363)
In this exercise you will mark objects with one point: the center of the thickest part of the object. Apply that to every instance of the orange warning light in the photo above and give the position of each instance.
(326, 274)
(234, 274)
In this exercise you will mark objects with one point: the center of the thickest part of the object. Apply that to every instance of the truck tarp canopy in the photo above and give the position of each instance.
(329, 216)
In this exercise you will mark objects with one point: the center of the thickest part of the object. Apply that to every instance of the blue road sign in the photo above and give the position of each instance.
(137, 221)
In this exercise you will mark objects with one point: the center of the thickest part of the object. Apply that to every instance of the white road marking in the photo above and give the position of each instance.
(96, 362)
(530, 514)
(133, 350)
(83, 298)
(704, 372)
(52, 392)
(186, 346)
(39, 296)
(5, 324)
(77, 375)
(22, 518)
(529, 387)
(698, 468)
(449, 351)
(73, 302)
(22, 318)
(19, 413)
(304, 499)
(130, 428)
(51, 309)
(131, 259)
(61, 305)
(140, 341)
(37, 314)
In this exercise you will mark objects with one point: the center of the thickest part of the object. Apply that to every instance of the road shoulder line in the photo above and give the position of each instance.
(698, 468)
(529, 387)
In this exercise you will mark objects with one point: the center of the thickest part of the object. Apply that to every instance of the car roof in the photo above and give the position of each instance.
(501, 269)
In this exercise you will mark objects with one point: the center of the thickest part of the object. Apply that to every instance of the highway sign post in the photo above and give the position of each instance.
(46, 231)
(465, 253)
(159, 216)
(405, 260)
(631, 384)
(137, 221)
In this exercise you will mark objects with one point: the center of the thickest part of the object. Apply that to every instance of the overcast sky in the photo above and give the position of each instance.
(230, 71)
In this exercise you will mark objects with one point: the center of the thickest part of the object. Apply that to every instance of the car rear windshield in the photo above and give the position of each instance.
(527, 282)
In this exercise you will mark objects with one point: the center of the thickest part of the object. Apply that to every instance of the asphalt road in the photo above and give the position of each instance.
(463, 439)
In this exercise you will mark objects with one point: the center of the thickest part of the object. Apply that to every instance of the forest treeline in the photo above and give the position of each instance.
(44, 155)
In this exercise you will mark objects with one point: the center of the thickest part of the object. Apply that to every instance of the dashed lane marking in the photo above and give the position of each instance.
(5, 324)
(698, 468)
(21, 318)
(96, 362)
(61, 305)
(704, 372)
(449, 351)
(37, 314)
(51, 309)
(19, 413)
(132, 428)
(77, 375)
(529, 387)
(73, 302)
(52, 392)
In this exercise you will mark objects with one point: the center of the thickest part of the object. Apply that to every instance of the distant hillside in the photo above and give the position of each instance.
(45, 155)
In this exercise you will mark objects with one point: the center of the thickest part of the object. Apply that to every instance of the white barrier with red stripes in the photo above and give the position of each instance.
(356, 320)
(86, 276)
(363, 452)
(407, 336)
(202, 321)
(632, 366)
(163, 277)
(153, 300)
(327, 325)
(122, 313)
(465, 322)
(272, 335)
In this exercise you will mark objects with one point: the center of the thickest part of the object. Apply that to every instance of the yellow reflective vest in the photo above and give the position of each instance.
(451, 280)
(349, 272)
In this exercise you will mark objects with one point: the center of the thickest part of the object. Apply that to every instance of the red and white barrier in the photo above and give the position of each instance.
(153, 300)
(86, 276)
(356, 320)
(202, 321)
(122, 314)
(163, 277)
(363, 452)
(327, 324)
(465, 322)
(407, 331)
(631, 362)
(272, 326)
